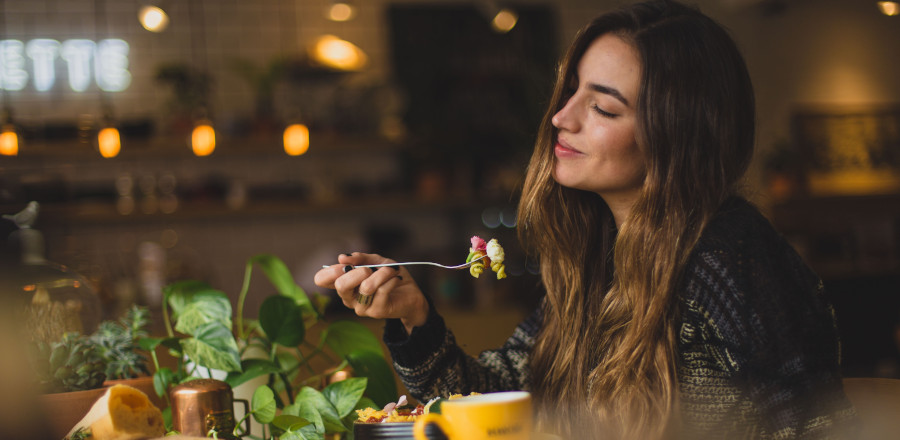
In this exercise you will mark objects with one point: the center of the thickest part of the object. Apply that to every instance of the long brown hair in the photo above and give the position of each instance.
(606, 354)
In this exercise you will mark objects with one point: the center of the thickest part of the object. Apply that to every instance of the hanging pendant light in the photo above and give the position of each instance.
(9, 139)
(153, 18)
(504, 21)
(889, 8)
(203, 138)
(296, 139)
(109, 142)
(340, 10)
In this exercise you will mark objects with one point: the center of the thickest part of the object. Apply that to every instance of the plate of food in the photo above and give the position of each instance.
(395, 421)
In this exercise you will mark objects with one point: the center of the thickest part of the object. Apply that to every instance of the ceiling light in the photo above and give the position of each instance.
(889, 8)
(153, 18)
(504, 21)
(338, 54)
(341, 11)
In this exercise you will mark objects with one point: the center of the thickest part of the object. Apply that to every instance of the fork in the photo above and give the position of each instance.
(409, 263)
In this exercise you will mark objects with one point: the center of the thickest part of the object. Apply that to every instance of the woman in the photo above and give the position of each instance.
(672, 307)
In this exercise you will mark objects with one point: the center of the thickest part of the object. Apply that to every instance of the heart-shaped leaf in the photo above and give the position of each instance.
(288, 422)
(344, 394)
(262, 404)
(311, 399)
(251, 369)
(345, 337)
(281, 278)
(213, 346)
(205, 307)
(282, 321)
(381, 386)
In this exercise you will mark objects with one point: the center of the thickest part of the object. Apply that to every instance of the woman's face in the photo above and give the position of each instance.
(596, 149)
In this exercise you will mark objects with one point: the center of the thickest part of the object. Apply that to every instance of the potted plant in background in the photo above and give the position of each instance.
(75, 370)
(291, 346)
(70, 374)
(118, 345)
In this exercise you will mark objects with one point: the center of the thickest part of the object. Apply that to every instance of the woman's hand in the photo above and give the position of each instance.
(391, 291)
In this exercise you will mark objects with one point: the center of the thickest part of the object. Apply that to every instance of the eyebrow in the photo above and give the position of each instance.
(606, 90)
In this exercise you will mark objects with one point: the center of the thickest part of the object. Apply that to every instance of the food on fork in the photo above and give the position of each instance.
(493, 256)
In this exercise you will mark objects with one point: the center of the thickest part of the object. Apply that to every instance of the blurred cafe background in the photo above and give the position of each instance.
(307, 128)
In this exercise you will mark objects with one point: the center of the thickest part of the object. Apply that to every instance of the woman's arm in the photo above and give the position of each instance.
(431, 364)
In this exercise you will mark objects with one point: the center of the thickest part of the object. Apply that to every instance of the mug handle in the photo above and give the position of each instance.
(246, 414)
(423, 421)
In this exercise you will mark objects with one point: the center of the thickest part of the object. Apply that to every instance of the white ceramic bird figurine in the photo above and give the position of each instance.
(25, 218)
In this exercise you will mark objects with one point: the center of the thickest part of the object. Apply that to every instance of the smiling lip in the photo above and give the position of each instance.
(561, 150)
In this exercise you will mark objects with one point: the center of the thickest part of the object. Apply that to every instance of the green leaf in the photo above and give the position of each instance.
(288, 422)
(180, 293)
(301, 409)
(280, 277)
(344, 394)
(351, 418)
(345, 337)
(213, 346)
(381, 386)
(251, 369)
(162, 379)
(262, 404)
(282, 321)
(311, 400)
(305, 433)
(150, 344)
(205, 307)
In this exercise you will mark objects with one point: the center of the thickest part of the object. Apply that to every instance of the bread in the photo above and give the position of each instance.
(122, 413)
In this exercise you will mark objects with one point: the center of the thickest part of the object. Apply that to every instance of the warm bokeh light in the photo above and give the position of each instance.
(341, 11)
(9, 141)
(339, 54)
(109, 142)
(504, 21)
(889, 8)
(296, 139)
(153, 18)
(203, 139)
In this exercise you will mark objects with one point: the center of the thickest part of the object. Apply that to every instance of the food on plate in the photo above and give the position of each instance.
(493, 256)
(122, 413)
(397, 412)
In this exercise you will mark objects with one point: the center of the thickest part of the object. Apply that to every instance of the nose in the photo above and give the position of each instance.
(565, 119)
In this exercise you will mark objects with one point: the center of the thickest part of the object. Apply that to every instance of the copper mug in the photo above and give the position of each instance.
(202, 405)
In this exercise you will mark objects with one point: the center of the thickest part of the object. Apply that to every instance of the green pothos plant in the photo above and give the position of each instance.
(296, 403)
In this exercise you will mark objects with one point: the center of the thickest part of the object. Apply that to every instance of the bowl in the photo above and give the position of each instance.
(393, 431)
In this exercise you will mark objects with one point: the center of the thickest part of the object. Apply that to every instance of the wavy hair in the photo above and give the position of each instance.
(605, 358)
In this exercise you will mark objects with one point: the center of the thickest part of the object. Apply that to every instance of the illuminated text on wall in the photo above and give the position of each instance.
(106, 62)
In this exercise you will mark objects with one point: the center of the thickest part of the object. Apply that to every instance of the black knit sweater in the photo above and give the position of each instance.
(758, 347)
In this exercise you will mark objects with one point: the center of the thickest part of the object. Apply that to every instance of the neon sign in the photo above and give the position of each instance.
(108, 59)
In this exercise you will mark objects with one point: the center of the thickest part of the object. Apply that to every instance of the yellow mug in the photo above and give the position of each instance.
(491, 416)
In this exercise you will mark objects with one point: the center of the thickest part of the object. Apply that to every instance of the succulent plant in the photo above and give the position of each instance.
(72, 364)
(118, 346)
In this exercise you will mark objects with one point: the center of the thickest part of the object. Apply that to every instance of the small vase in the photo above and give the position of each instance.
(64, 410)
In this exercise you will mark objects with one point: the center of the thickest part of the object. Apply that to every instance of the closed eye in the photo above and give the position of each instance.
(604, 113)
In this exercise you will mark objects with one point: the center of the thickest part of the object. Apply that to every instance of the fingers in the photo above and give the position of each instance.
(365, 290)
(381, 306)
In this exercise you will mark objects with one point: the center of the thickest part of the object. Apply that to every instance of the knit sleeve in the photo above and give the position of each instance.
(770, 326)
(431, 364)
